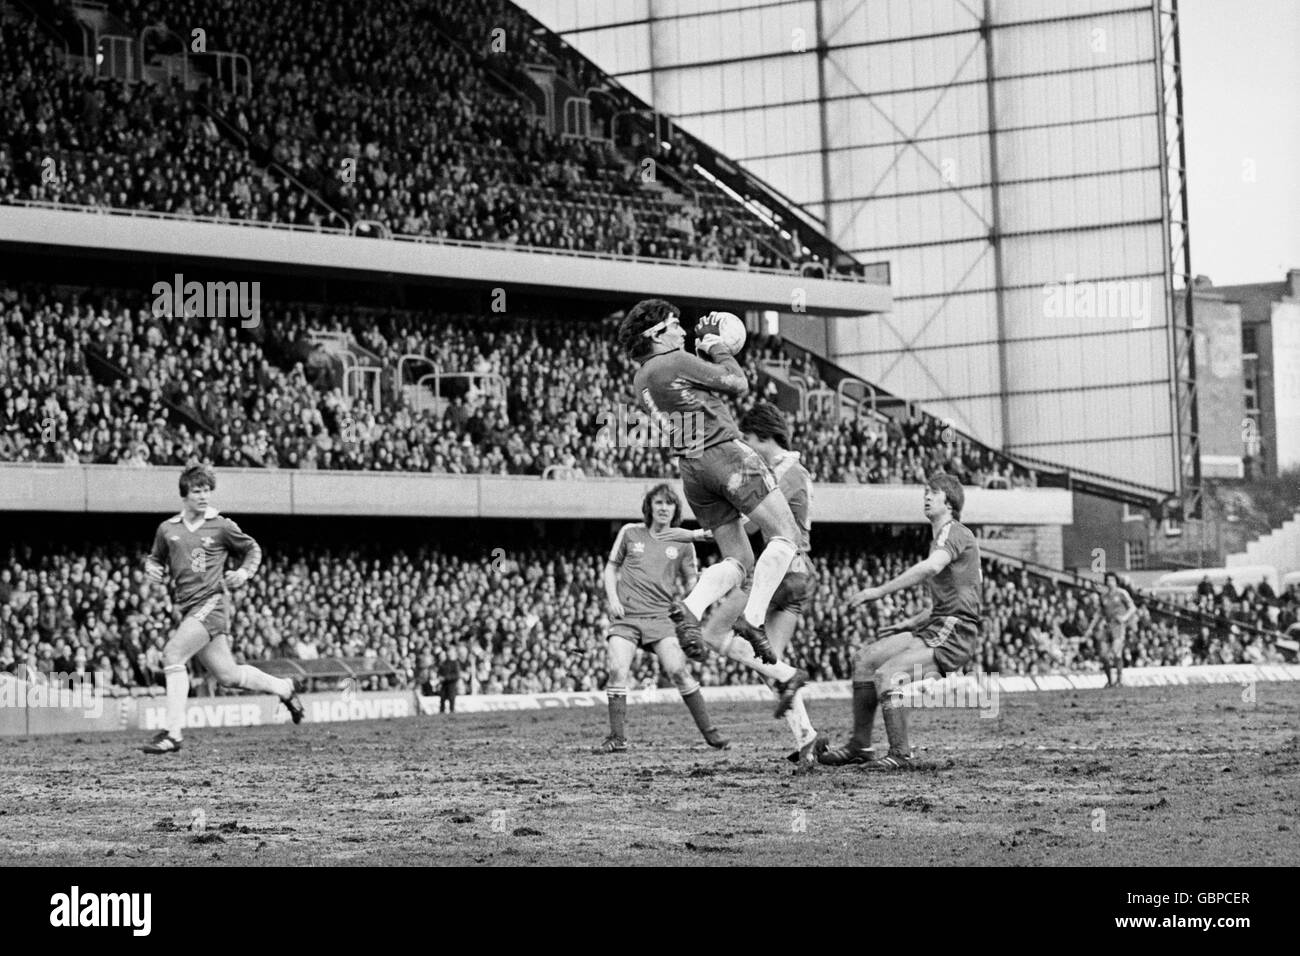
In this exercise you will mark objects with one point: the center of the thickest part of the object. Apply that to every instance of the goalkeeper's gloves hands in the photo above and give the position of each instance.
(708, 334)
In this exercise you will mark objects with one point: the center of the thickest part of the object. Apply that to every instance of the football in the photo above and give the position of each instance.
(733, 331)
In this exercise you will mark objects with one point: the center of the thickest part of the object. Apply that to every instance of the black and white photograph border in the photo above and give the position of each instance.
(655, 433)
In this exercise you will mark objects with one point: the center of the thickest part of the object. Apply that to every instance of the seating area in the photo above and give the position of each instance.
(530, 621)
(399, 115)
(96, 377)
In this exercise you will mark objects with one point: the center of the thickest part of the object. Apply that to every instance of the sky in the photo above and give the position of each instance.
(1241, 97)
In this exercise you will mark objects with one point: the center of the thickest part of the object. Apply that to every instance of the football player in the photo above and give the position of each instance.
(723, 477)
(1109, 627)
(193, 547)
(765, 430)
(937, 641)
(641, 578)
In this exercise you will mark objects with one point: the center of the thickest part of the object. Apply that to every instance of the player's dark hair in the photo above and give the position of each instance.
(663, 490)
(646, 314)
(196, 475)
(768, 422)
(952, 490)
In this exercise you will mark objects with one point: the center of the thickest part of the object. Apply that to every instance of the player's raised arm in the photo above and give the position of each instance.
(723, 374)
(1132, 607)
(918, 573)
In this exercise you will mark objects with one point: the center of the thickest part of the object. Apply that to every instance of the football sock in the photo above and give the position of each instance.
(895, 715)
(178, 692)
(694, 701)
(736, 648)
(250, 678)
(770, 568)
(617, 697)
(864, 713)
(715, 581)
(800, 724)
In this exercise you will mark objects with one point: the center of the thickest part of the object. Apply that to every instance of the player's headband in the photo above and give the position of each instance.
(656, 329)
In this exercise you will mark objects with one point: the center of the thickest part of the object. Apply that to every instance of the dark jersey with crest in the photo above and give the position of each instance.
(956, 591)
(687, 397)
(196, 556)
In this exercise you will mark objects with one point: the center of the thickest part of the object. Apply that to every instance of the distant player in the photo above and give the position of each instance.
(641, 580)
(933, 643)
(765, 430)
(1109, 629)
(194, 546)
(722, 476)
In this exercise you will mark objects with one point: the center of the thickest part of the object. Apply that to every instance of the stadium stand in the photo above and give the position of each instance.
(531, 620)
(100, 378)
(400, 118)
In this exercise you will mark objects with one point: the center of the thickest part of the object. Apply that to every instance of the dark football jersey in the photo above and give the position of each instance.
(688, 398)
(196, 559)
(957, 590)
(1115, 603)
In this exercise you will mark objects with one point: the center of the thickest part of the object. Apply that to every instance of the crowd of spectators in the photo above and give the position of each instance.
(393, 113)
(550, 399)
(1241, 610)
(531, 619)
(71, 138)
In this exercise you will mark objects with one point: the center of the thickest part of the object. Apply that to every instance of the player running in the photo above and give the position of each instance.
(641, 576)
(765, 430)
(722, 476)
(1109, 627)
(937, 641)
(195, 546)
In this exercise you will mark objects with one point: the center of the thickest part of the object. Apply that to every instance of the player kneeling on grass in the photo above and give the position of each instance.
(194, 546)
(936, 642)
(641, 577)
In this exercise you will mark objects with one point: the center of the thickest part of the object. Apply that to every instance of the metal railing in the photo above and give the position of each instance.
(496, 382)
(227, 70)
(168, 58)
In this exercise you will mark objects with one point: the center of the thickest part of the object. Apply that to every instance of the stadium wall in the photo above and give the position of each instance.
(1015, 162)
(116, 488)
(25, 712)
(260, 247)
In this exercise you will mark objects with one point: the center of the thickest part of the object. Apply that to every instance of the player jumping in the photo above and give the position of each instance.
(640, 579)
(937, 641)
(722, 476)
(764, 429)
(1109, 626)
(195, 545)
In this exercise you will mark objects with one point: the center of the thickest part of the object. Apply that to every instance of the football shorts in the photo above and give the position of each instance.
(725, 481)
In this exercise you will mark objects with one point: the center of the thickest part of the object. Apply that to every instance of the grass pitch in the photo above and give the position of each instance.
(1163, 776)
